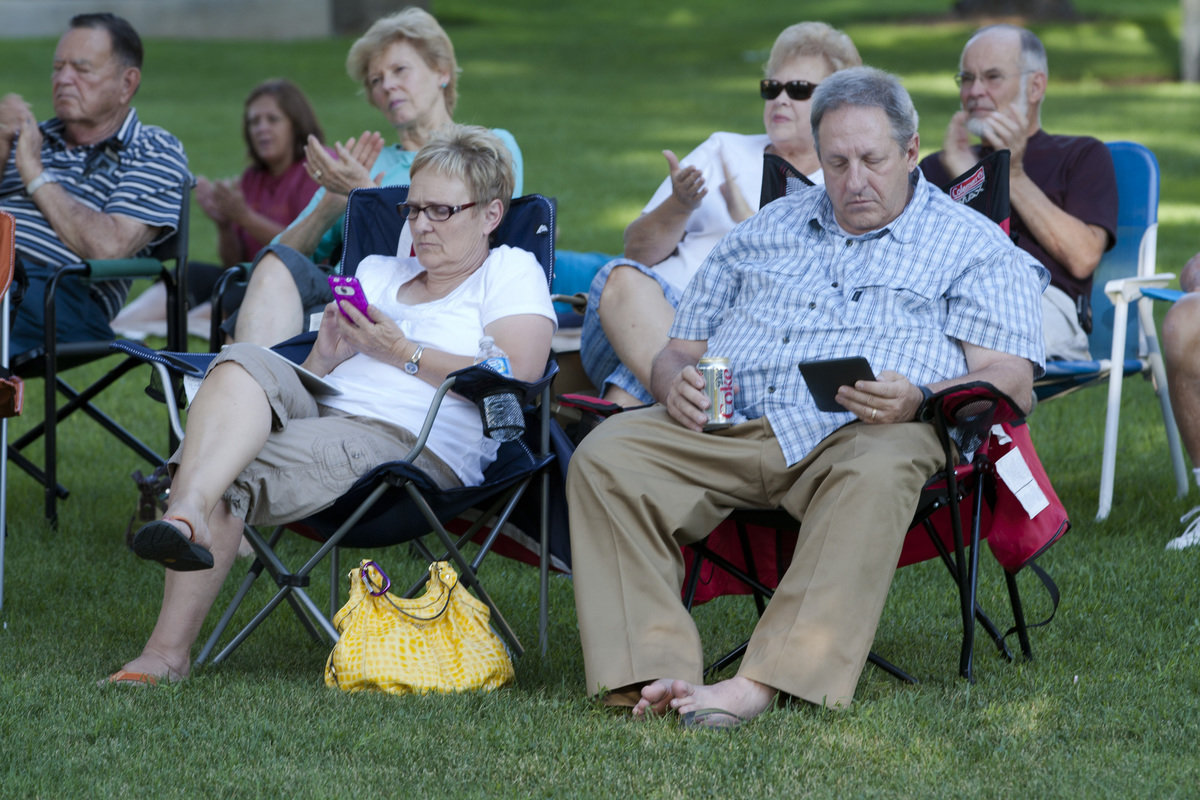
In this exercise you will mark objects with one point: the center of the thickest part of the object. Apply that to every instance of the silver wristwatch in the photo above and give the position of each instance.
(413, 365)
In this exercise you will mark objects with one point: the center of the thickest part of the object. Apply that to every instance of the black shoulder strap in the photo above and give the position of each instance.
(1051, 589)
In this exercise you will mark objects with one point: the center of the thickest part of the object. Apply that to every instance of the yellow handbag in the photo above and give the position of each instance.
(438, 642)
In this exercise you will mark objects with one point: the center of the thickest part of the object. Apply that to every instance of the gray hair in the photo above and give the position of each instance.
(1033, 52)
(473, 155)
(813, 39)
(866, 87)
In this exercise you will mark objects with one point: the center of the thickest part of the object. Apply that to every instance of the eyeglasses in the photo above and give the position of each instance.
(993, 78)
(434, 212)
(797, 90)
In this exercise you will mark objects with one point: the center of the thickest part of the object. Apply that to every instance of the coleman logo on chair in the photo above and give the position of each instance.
(964, 191)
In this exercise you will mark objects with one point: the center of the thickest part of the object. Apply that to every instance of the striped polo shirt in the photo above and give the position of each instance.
(137, 172)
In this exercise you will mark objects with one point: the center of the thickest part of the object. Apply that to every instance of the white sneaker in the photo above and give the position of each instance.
(1191, 535)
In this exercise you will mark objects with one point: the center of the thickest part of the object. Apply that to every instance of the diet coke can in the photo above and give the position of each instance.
(718, 387)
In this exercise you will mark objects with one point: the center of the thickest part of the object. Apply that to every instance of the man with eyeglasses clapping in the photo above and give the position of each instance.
(1062, 188)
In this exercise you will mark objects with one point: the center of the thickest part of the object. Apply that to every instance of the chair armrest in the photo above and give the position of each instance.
(1163, 295)
(476, 382)
(102, 269)
(1130, 289)
(969, 410)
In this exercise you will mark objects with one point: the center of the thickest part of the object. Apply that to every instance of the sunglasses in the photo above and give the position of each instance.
(797, 90)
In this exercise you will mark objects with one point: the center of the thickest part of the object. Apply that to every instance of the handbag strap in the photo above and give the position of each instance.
(434, 575)
(363, 575)
(1051, 589)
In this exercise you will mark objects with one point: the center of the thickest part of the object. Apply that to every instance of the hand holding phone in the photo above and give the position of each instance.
(347, 288)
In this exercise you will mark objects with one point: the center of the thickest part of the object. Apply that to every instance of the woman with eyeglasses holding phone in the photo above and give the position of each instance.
(632, 300)
(265, 445)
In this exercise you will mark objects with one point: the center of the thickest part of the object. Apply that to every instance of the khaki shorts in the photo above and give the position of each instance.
(313, 454)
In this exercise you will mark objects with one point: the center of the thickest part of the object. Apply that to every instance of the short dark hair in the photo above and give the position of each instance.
(295, 107)
(126, 44)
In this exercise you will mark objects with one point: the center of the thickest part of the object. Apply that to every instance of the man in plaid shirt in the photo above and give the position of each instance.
(877, 263)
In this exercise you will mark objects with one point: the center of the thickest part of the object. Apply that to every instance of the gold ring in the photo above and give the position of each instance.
(874, 414)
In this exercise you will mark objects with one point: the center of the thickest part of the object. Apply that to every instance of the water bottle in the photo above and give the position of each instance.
(503, 419)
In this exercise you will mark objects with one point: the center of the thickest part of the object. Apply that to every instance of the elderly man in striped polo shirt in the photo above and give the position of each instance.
(91, 182)
(877, 263)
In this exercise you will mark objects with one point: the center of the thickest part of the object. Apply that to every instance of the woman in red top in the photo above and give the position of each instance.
(249, 212)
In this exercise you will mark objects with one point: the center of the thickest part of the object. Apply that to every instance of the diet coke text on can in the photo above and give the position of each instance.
(718, 387)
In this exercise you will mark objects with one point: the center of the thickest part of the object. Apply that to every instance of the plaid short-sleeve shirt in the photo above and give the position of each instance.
(137, 172)
(790, 285)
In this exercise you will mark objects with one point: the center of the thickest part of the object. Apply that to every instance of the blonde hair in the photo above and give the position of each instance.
(473, 155)
(417, 27)
(813, 39)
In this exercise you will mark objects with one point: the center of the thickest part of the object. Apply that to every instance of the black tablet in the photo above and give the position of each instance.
(824, 378)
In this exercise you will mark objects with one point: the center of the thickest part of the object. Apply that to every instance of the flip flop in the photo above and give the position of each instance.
(162, 542)
(712, 718)
(124, 677)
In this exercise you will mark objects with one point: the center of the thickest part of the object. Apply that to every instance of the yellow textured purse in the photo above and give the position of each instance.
(438, 642)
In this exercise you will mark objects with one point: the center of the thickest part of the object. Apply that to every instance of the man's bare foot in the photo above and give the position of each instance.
(656, 697)
(740, 697)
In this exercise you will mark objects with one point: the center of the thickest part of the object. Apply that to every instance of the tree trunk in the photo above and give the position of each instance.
(352, 17)
(1189, 44)
(1031, 9)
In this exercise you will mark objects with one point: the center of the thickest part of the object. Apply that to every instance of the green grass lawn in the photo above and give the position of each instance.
(1109, 707)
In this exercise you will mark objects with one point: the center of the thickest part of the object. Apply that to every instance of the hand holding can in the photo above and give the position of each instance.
(718, 388)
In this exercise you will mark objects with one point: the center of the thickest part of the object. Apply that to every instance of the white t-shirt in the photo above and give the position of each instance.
(510, 282)
(743, 154)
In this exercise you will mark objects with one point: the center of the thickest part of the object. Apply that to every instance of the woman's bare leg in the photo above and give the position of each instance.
(227, 427)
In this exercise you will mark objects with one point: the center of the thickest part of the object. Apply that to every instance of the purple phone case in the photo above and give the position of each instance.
(349, 289)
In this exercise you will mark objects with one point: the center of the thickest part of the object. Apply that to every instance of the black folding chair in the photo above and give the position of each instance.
(168, 261)
(396, 502)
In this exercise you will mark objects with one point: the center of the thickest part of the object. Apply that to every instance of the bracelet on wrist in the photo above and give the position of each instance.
(41, 180)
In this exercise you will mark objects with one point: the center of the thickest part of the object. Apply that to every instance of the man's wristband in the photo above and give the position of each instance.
(41, 180)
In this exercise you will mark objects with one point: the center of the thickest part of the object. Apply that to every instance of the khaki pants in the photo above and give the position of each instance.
(641, 486)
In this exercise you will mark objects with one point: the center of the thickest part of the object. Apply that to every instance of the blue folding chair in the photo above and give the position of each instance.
(396, 502)
(1119, 345)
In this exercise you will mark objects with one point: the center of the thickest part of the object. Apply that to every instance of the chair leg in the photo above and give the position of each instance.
(890, 668)
(466, 573)
(725, 660)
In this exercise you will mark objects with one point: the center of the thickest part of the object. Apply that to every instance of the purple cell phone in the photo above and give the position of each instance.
(348, 289)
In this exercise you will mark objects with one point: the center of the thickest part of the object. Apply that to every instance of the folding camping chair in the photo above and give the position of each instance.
(379, 509)
(1119, 345)
(955, 502)
(52, 357)
(8, 233)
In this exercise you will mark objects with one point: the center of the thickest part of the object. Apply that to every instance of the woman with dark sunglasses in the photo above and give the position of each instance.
(632, 299)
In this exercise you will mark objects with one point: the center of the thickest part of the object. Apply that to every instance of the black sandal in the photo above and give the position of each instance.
(162, 542)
